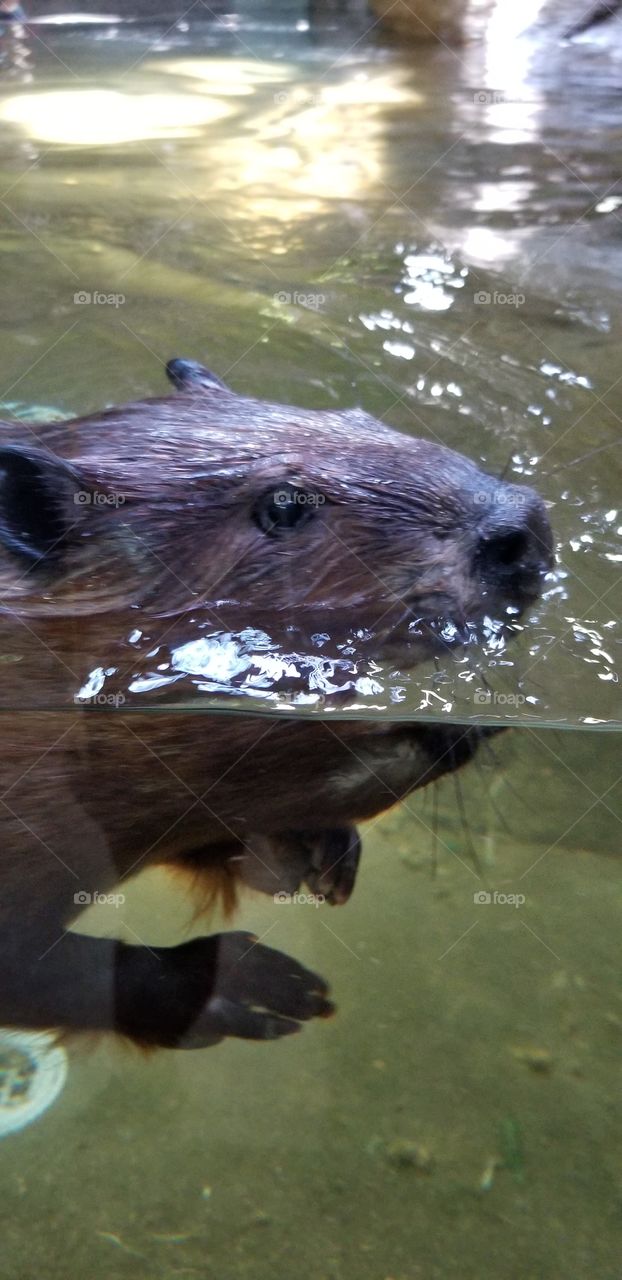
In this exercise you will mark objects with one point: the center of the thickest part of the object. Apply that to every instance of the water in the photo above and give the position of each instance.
(328, 227)
(329, 221)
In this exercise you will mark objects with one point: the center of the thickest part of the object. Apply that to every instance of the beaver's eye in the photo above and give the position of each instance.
(285, 508)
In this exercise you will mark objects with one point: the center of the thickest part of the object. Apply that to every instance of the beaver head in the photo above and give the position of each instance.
(209, 505)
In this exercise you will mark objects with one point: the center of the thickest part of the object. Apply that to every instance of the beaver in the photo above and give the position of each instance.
(129, 541)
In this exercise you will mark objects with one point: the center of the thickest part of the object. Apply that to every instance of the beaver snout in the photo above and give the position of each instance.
(515, 547)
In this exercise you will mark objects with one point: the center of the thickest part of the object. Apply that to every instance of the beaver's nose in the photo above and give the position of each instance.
(515, 541)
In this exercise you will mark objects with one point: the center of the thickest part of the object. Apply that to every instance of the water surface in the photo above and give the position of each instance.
(328, 221)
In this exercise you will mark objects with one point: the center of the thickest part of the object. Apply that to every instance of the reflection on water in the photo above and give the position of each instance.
(104, 117)
(303, 141)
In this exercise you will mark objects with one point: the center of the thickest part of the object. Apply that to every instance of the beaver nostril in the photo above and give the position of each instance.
(515, 544)
(507, 548)
(512, 561)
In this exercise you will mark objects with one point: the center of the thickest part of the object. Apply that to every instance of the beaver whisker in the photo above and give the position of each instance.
(506, 468)
(612, 444)
(481, 770)
(471, 850)
(435, 831)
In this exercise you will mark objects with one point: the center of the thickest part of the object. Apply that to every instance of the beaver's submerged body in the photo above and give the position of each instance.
(162, 516)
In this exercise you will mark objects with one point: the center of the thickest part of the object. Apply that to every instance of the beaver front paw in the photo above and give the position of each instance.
(258, 993)
(229, 984)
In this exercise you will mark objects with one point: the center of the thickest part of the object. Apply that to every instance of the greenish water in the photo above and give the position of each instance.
(315, 218)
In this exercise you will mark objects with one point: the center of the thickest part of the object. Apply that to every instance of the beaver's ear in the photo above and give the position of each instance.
(190, 376)
(40, 498)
